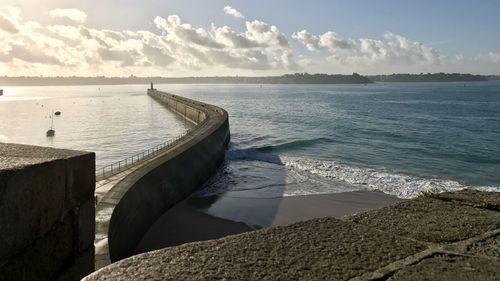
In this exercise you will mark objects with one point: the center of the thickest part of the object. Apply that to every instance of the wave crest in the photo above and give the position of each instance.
(402, 186)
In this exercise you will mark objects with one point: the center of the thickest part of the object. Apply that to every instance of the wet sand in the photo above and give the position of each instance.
(193, 220)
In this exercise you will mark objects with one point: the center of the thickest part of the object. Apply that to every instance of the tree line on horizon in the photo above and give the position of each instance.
(297, 78)
(428, 77)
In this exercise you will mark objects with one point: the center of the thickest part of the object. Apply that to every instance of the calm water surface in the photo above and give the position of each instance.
(113, 121)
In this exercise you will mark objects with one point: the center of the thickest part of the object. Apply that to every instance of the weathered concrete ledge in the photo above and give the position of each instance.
(140, 198)
(433, 237)
(46, 213)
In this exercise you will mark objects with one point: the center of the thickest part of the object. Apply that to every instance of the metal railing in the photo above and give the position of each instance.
(114, 168)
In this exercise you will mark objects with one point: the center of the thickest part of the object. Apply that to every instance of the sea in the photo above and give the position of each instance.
(115, 122)
(399, 138)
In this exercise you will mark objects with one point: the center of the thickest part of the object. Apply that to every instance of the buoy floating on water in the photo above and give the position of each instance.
(51, 132)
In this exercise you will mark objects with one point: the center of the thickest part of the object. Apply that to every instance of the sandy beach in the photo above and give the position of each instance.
(191, 220)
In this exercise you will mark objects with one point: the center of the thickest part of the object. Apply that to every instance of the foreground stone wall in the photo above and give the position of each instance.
(46, 213)
(155, 187)
(448, 236)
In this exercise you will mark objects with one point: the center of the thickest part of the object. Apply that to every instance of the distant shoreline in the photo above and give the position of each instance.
(297, 79)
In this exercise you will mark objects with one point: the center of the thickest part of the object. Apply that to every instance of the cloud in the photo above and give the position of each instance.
(265, 34)
(7, 25)
(250, 59)
(179, 48)
(8, 19)
(310, 41)
(126, 58)
(186, 33)
(157, 56)
(72, 14)
(231, 38)
(489, 57)
(233, 12)
(29, 55)
(392, 49)
(398, 49)
(332, 41)
(329, 40)
(261, 46)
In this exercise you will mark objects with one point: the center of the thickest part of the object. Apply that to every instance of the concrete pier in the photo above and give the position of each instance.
(135, 198)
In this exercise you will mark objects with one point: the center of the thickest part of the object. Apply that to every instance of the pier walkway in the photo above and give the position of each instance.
(157, 177)
(108, 193)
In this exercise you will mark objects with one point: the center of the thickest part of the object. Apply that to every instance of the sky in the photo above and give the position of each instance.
(213, 38)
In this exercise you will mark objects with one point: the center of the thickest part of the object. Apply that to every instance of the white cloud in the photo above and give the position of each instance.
(72, 14)
(180, 32)
(310, 41)
(265, 34)
(489, 57)
(329, 40)
(233, 12)
(332, 41)
(7, 25)
(234, 39)
(8, 19)
(178, 48)
(391, 50)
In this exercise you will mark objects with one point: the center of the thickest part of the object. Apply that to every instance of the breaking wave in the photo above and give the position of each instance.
(400, 185)
(292, 145)
(259, 168)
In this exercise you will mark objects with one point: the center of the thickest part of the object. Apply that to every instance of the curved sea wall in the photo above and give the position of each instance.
(155, 187)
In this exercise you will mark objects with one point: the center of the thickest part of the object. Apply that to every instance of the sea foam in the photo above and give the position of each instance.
(400, 185)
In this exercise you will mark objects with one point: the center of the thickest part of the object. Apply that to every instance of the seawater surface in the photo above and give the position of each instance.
(114, 121)
(400, 138)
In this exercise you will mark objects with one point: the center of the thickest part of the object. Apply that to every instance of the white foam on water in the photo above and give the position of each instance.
(291, 176)
(400, 185)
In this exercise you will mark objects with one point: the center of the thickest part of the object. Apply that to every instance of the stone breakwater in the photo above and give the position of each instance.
(135, 202)
(448, 236)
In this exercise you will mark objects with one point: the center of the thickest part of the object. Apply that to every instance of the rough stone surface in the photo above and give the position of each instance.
(15, 156)
(86, 225)
(31, 202)
(43, 259)
(489, 247)
(320, 249)
(479, 199)
(46, 211)
(80, 185)
(431, 220)
(386, 244)
(83, 266)
(448, 267)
